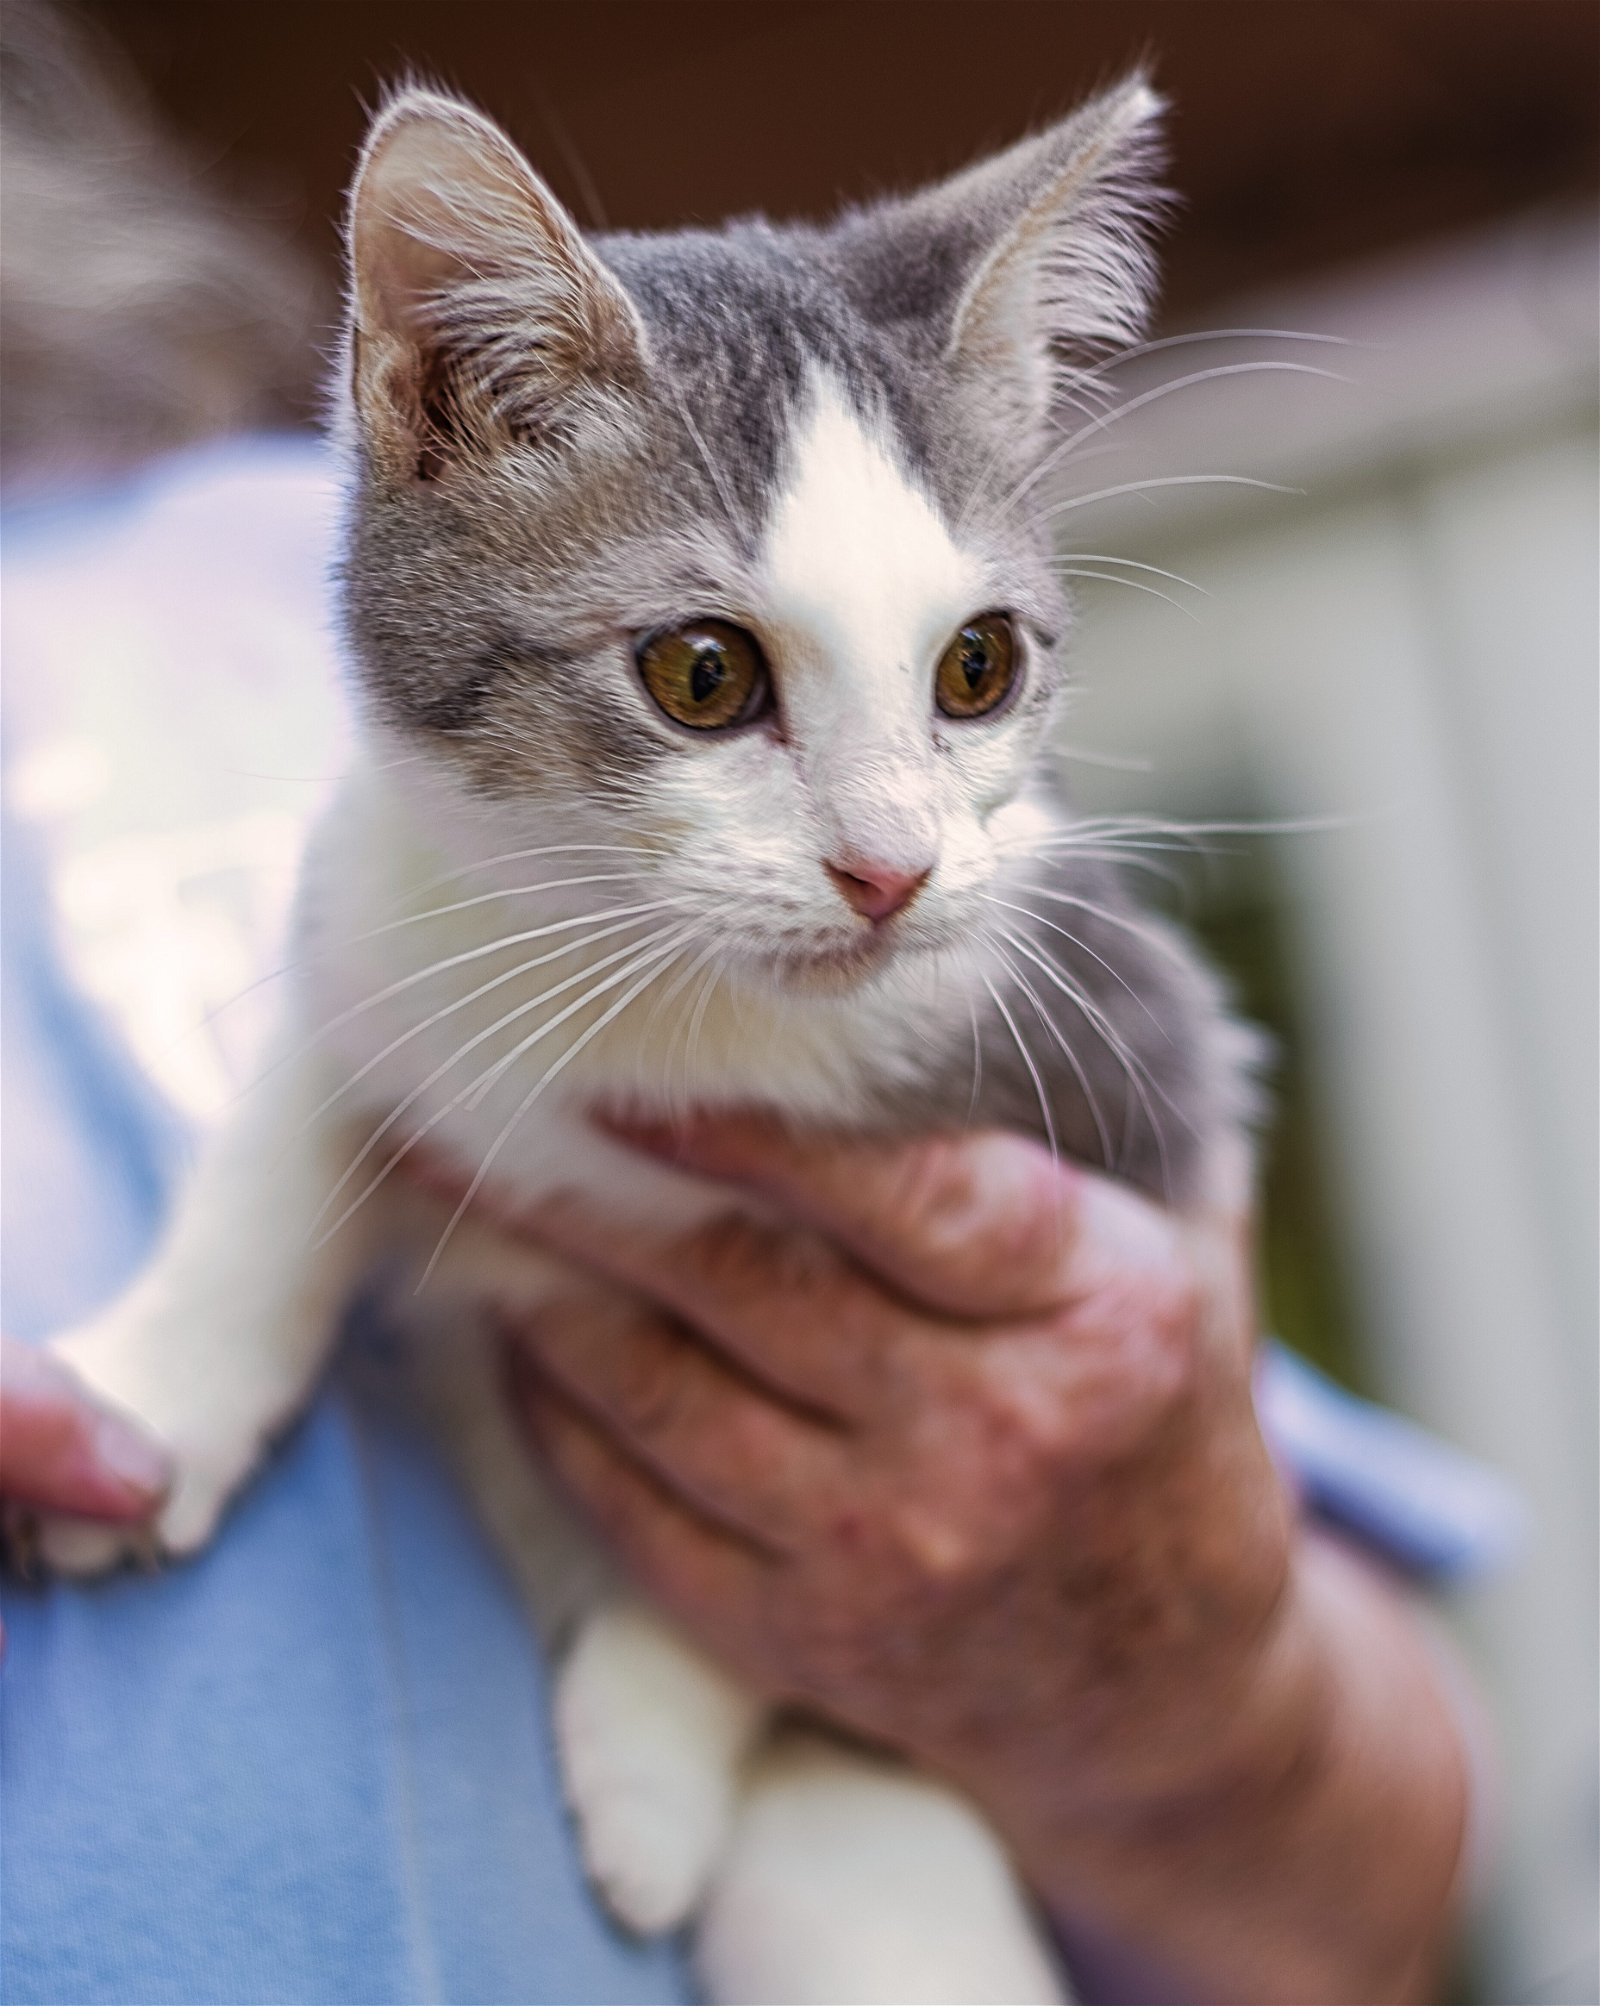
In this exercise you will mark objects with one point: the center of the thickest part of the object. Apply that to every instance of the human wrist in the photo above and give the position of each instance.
(1229, 1740)
(1312, 1848)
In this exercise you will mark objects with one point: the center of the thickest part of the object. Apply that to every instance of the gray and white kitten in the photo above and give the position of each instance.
(699, 596)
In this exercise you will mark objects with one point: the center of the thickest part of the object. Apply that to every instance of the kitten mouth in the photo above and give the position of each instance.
(841, 965)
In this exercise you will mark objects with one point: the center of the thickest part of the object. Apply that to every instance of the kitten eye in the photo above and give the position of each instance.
(978, 669)
(708, 675)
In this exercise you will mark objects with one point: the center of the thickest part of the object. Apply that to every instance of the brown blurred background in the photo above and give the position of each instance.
(1306, 132)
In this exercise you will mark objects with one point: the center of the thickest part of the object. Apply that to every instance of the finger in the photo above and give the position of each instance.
(672, 1551)
(782, 1306)
(61, 1451)
(981, 1225)
(723, 1448)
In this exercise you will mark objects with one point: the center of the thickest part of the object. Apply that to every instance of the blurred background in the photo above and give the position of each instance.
(1391, 650)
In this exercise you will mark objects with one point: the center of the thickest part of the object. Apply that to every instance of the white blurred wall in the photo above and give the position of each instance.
(1410, 646)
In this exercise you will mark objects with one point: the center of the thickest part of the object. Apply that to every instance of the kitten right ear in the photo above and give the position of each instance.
(478, 315)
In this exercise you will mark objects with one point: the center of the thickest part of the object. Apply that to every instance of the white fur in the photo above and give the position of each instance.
(852, 1879)
(653, 1735)
(863, 589)
(218, 1341)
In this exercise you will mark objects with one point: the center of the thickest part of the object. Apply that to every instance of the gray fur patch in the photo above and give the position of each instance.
(1139, 1078)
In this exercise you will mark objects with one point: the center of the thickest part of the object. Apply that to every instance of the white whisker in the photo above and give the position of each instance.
(608, 1016)
(1134, 584)
(977, 1061)
(1169, 481)
(1144, 348)
(1100, 1129)
(1128, 857)
(495, 982)
(635, 948)
(707, 954)
(488, 898)
(1027, 1060)
(632, 850)
(1133, 564)
(1118, 1047)
(1154, 396)
(702, 1004)
(1039, 919)
(1112, 918)
(487, 1080)
(496, 946)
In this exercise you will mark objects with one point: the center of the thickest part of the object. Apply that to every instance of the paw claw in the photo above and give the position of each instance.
(39, 1544)
(80, 1548)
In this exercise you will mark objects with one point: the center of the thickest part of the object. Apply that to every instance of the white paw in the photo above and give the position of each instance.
(646, 1846)
(651, 1736)
(127, 1368)
(82, 1547)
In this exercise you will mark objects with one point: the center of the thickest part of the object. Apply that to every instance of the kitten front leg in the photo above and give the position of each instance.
(217, 1342)
(652, 1738)
(650, 1734)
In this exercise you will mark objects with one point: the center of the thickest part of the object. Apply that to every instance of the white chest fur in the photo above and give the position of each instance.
(484, 1013)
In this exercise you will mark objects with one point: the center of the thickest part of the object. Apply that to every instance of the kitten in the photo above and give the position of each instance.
(699, 595)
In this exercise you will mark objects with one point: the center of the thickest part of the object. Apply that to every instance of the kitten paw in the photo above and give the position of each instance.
(647, 1852)
(650, 1738)
(121, 1366)
(79, 1548)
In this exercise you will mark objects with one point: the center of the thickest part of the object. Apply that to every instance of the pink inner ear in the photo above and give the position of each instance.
(441, 196)
(477, 301)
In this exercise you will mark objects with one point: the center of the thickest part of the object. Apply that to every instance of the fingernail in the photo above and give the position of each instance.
(129, 1456)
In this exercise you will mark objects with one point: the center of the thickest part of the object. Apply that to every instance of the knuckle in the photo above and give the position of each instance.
(937, 1548)
(929, 1182)
(983, 1214)
(1026, 1424)
(652, 1387)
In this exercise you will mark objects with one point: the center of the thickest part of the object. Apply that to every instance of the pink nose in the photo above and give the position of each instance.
(876, 891)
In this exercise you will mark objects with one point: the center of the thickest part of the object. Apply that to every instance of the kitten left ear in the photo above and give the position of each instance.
(478, 314)
(1049, 247)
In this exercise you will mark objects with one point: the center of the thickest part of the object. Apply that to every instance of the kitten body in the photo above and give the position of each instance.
(539, 895)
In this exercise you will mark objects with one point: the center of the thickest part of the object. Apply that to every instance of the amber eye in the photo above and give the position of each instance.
(707, 675)
(978, 668)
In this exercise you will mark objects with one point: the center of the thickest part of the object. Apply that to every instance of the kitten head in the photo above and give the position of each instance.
(726, 548)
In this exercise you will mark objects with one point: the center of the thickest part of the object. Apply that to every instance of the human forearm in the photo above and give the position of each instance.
(1311, 1854)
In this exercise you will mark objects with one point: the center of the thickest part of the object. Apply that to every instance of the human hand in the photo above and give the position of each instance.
(960, 1450)
(61, 1450)
(964, 1456)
